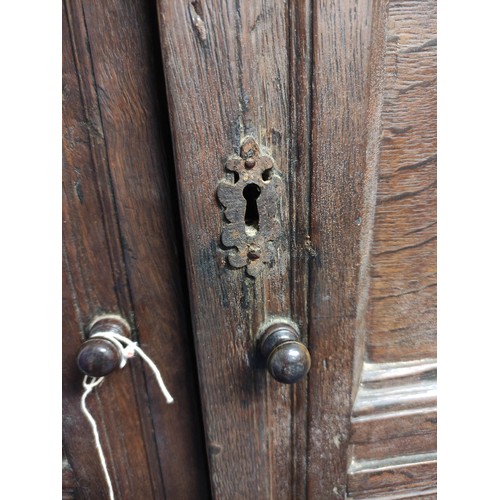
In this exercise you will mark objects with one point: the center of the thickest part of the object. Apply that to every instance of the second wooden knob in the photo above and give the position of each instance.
(288, 359)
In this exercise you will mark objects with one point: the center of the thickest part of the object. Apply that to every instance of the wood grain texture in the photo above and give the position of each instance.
(395, 477)
(394, 413)
(398, 387)
(413, 444)
(342, 95)
(403, 423)
(301, 251)
(69, 483)
(312, 82)
(121, 256)
(226, 68)
(402, 311)
(345, 95)
(393, 422)
(85, 236)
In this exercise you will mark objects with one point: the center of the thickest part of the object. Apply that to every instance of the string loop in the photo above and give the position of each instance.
(128, 349)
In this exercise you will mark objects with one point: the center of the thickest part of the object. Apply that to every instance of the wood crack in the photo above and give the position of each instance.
(407, 194)
(409, 247)
(405, 293)
(420, 229)
(197, 22)
(420, 48)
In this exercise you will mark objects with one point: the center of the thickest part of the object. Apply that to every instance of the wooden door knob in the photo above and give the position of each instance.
(99, 356)
(288, 359)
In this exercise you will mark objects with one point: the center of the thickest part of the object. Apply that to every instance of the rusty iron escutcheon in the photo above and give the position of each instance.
(250, 203)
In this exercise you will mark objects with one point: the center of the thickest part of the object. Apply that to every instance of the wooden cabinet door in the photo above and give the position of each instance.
(122, 256)
(337, 100)
(341, 95)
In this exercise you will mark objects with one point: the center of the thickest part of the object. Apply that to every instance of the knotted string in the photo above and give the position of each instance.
(89, 383)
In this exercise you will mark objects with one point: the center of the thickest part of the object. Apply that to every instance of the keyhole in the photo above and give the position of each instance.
(251, 192)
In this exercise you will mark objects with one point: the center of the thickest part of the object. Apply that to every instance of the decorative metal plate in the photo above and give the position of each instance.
(250, 205)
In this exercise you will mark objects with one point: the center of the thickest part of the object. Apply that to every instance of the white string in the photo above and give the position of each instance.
(127, 352)
(88, 386)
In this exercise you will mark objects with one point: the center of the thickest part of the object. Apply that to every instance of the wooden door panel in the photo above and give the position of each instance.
(394, 413)
(402, 312)
(122, 256)
(226, 70)
(344, 84)
(342, 95)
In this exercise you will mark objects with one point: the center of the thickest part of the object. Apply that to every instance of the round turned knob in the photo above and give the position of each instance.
(288, 359)
(99, 356)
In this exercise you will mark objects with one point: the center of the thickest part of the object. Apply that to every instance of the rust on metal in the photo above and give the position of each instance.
(250, 202)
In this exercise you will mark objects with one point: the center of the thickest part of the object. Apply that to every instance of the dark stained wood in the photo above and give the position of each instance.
(394, 413)
(300, 66)
(98, 357)
(226, 67)
(69, 483)
(394, 416)
(345, 88)
(226, 71)
(413, 476)
(413, 444)
(395, 389)
(402, 312)
(86, 228)
(341, 96)
(394, 424)
(315, 95)
(122, 256)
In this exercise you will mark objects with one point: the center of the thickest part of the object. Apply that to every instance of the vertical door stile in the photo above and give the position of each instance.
(309, 81)
(301, 250)
(341, 186)
(226, 68)
(120, 258)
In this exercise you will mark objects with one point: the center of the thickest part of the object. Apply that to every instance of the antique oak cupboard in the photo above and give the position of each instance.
(231, 165)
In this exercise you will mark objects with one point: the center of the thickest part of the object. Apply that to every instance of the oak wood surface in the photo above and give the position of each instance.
(402, 311)
(345, 87)
(300, 45)
(342, 96)
(69, 483)
(396, 477)
(122, 256)
(394, 412)
(226, 70)
(227, 77)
